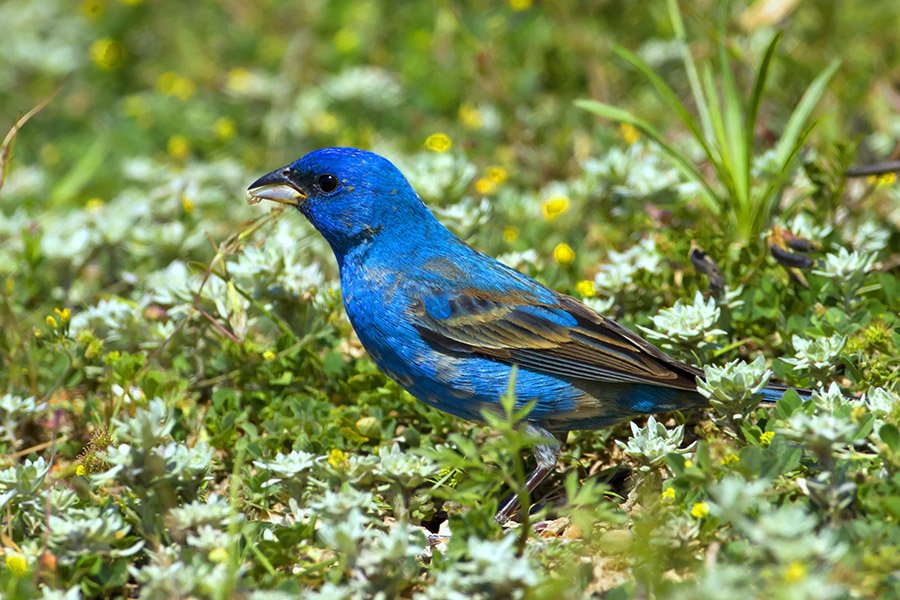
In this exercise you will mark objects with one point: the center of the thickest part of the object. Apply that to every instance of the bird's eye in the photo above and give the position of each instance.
(327, 182)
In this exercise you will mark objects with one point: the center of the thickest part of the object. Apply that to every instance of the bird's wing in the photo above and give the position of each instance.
(562, 337)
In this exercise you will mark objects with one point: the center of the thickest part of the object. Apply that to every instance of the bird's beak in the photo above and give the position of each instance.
(277, 187)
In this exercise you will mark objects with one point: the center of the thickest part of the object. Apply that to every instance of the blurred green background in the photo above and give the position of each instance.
(265, 82)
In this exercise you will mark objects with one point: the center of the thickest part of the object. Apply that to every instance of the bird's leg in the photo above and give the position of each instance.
(546, 456)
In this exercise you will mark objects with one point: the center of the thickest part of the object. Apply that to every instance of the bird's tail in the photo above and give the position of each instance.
(773, 393)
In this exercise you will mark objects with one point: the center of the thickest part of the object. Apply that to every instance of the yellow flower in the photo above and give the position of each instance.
(16, 563)
(555, 206)
(448, 474)
(346, 40)
(238, 80)
(326, 122)
(765, 437)
(80, 470)
(173, 84)
(438, 142)
(700, 510)
(470, 117)
(629, 133)
(563, 254)
(883, 180)
(187, 204)
(794, 572)
(64, 314)
(585, 287)
(93, 205)
(226, 128)
(178, 147)
(218, 555)
(485, 186)
(510, 234)
(107, 53)
(496, 174)
(268, 355)
(520, 5)
(338, 458)
(730, 459)
(165, 82)
(51, 321)
(667, 495)
(688, 464)
(92, 8)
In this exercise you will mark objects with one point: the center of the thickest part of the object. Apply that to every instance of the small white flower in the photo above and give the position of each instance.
(615, 276)
(654, 441)
(368, 85)
(687, 323)
(288, 465)
(520, 260)
(879, 400)
(437, 176)
(14, 411)
(113, 315)
(732, 386)
(620, 268)
(846, 265)
(820, 353)
(820, 428)
(408, 469)
(805, 226)
(830, 398)
(867, 236)
(601, 305)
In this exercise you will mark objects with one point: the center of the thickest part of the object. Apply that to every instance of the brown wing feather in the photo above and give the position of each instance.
(514, 330)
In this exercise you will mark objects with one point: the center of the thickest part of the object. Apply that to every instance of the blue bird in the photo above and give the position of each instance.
(450, 324)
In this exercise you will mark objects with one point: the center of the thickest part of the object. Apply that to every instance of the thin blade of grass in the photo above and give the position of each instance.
(79, 176)
(770, 196)
(6, 146)
(756, 96)
(796, 124)
(735, 135)
(690, 67)
(613, 113)
(723, 168)
(668, 95)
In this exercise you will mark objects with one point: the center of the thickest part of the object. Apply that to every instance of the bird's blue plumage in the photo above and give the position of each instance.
(450, 323)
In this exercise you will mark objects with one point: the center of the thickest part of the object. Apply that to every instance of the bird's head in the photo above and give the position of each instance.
(351, 196)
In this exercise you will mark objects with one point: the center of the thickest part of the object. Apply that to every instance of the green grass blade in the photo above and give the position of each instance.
(784, 171)
(735, 135)
(723, 167)
(799, 118)
(690, 68)
(79, 176)
(668, 95)
(756, 96)
(711, 199)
